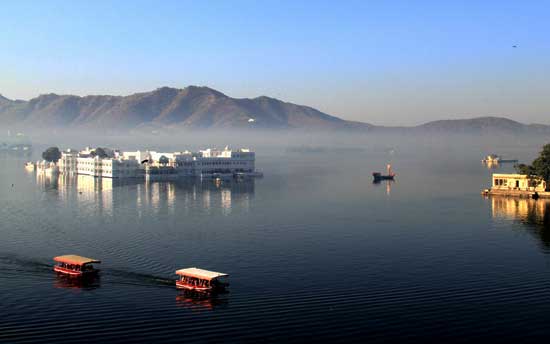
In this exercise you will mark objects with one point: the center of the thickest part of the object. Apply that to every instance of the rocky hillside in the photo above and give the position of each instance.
(193, 107)
(203, 107)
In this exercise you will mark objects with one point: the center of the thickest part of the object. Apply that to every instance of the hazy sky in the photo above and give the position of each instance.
(383, 62)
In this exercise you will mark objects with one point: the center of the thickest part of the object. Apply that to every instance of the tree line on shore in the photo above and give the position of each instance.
(53, 154)
(539, 168)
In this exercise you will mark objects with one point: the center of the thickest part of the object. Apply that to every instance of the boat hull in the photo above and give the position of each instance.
(384, 178)
(182, 285)
(379, 176)
(69, 272)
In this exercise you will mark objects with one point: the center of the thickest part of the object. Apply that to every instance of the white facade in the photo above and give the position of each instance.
(73, 162)
(226, 161)
(133, 164)
(109, 168)
(520, 182)
(46, 168)
(68, 161)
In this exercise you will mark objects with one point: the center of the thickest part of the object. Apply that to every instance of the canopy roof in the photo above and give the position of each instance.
(74, 259)
(200, 273)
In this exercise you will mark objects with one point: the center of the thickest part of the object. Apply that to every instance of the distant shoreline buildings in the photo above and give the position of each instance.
(107, 163)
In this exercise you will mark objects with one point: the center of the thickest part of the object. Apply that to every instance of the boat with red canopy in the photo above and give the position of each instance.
(74, 265)
(201, 280)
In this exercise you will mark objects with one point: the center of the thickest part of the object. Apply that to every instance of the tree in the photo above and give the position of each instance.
(100, 152)
(539, 168)
(525, 169)
(163, 160)
(541, 165)
(529, 171)
(51, 154)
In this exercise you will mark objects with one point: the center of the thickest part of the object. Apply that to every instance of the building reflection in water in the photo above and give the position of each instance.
(534, 214)
(89, 190)
(48, 182)
(197, 301)
(158, 195)
(105, 194)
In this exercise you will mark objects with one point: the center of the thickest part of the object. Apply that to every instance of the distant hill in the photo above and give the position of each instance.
(481, 125)
(203, 107)
(470, 126)
(191, 107)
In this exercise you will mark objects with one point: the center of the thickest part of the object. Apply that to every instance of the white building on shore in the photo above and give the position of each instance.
(517, 182)
(150, 164)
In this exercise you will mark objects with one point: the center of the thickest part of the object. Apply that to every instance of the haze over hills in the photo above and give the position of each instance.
(474, 126)
(206, 108)
(484, 125)
(191, 107)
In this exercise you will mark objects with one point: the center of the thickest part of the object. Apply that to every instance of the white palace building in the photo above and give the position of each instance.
(155, 165)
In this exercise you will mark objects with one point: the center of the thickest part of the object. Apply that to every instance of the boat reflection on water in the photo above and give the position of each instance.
(387, 182)
(534, 214)
(86, 282)
(198, 301)
(491, 165)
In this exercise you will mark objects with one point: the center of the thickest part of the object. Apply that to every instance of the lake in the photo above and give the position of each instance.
(314, 249)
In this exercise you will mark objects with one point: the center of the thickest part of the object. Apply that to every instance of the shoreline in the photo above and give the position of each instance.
(515, 193)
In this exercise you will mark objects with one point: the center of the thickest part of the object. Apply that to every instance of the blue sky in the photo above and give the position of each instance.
(384, 62)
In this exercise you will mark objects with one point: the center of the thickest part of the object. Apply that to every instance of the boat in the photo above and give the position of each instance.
(495, 159)
(201, 280)
(378, 176)
(77, 266)
(242, 175)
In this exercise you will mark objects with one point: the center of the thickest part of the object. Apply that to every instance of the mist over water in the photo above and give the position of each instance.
(315, 250)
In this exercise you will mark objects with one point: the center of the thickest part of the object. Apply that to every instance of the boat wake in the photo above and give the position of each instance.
(21, 264)
(11, 264)
(117, 276)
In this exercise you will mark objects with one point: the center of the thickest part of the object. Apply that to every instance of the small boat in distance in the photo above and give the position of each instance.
(77, 266)
(495, 159)
(30, 166)
(378, 176)
(201, 280)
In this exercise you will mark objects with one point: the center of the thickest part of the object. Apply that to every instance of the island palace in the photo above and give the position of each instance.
(209, 163)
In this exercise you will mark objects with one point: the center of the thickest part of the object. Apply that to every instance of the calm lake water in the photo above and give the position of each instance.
(315, 251)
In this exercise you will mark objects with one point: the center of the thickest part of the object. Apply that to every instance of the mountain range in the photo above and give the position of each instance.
(190, 107)
(203, 107)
